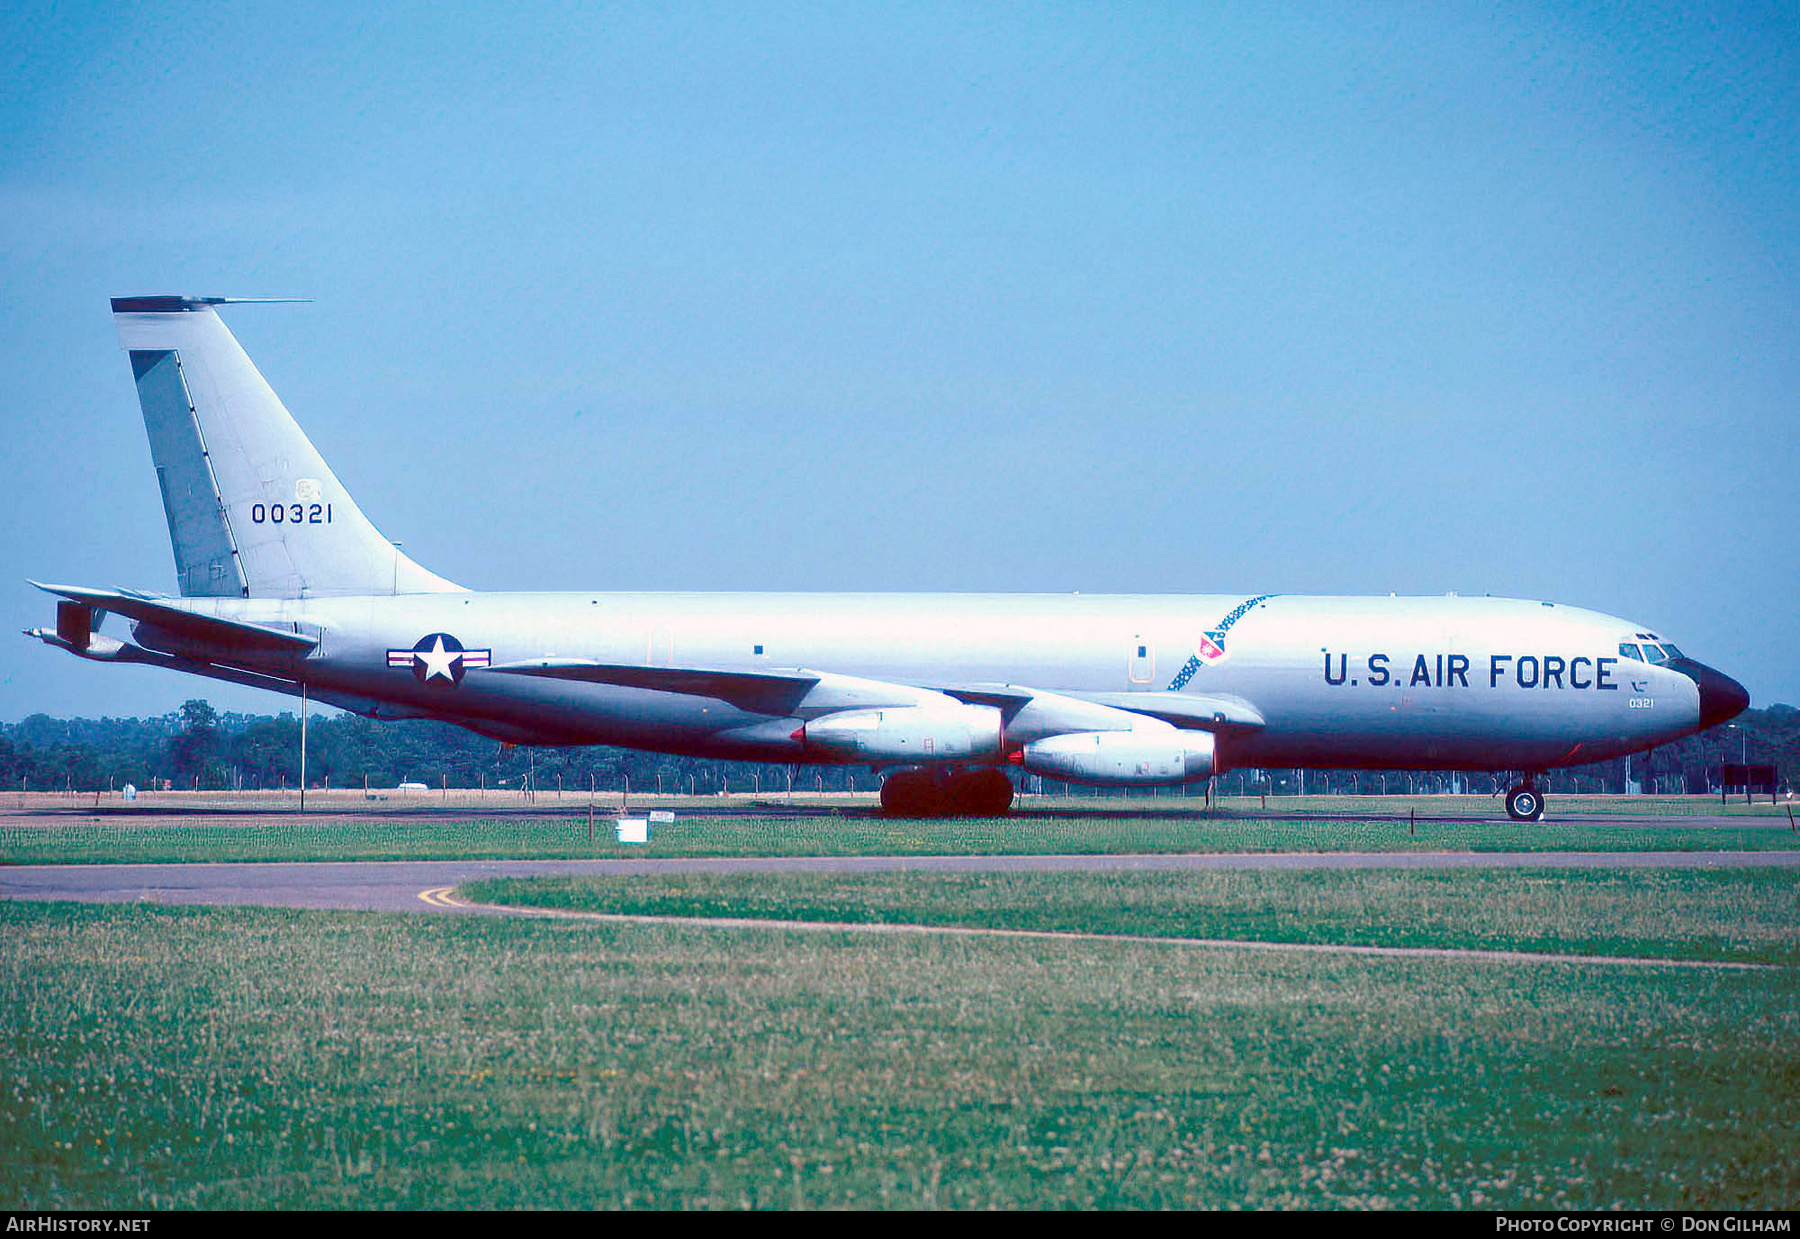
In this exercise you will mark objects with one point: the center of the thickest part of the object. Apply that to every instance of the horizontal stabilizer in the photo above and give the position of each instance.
(233, 636)
(758, 692)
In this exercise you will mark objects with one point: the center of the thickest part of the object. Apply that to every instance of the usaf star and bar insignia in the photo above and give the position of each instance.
(439, 658)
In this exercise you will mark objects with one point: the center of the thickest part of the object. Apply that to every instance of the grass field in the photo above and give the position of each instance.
(1736, 916)
(226, 1058)
(58, 840)
(166, 1057)
(364, 1061)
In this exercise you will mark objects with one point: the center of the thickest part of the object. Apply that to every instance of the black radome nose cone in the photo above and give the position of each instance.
(1721, 697)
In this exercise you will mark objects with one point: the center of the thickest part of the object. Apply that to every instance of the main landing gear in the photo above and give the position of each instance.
(946, 793)
(1525, 803)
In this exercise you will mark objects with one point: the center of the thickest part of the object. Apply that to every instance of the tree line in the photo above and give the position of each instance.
(197, 747)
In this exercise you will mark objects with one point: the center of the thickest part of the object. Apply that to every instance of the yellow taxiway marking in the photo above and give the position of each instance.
(440, 897)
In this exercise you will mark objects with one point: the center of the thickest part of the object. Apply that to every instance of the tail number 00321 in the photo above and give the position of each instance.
(290, 513)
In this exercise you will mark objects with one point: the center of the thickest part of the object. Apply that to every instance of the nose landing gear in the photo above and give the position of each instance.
(1525, 803)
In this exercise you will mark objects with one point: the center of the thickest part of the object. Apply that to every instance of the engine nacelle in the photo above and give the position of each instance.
(922, 733)
(1142, 757)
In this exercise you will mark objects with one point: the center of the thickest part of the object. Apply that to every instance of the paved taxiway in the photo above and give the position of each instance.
(403, 886)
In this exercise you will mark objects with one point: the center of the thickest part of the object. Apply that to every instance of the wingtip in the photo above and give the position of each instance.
(78, 593)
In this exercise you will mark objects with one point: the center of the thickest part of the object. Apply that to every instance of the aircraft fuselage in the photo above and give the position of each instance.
(1341, 682)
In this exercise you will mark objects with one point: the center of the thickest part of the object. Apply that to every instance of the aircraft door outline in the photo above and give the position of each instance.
(1140, 662)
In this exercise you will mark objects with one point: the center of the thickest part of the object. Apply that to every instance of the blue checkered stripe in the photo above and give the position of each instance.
(1193, 663)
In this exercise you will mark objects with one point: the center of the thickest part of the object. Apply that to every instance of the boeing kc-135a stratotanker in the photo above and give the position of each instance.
(285, 585)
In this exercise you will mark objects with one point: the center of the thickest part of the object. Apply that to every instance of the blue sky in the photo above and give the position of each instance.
(1148, 298)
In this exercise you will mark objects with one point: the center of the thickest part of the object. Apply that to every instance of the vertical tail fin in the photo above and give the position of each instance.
(254, 511)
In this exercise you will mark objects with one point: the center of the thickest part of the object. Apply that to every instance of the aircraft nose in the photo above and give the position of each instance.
(1721, 697)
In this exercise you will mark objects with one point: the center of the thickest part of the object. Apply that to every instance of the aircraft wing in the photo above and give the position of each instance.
(1193, 711)
(757, 692)
(795, 692)
(227, 635)
(1009, 699)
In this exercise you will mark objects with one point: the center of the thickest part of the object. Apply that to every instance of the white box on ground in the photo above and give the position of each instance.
(633, 830)
(661, 815)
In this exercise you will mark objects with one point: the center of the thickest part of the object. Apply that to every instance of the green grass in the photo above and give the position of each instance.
(1744, 916)
(281, 837)
(242, 1058)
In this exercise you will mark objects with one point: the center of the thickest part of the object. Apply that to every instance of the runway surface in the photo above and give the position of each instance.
(403, 886)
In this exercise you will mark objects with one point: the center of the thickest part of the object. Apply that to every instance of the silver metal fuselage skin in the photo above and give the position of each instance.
(1339, 682)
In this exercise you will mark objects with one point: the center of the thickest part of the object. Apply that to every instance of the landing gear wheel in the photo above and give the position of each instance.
(912, 793)
(980, 793)
(938, 793)
(1525, 803)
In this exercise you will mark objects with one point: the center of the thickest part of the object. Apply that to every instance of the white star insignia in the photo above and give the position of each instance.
(439, 661)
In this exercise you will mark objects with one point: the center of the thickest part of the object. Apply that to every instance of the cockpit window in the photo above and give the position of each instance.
(1654, 654)
(1631, 651)
(1671, 651)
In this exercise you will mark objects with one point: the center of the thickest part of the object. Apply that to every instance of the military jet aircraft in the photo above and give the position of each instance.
(286, 585)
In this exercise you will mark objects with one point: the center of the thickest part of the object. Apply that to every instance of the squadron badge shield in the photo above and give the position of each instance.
(1209, 651)
(439, 658)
